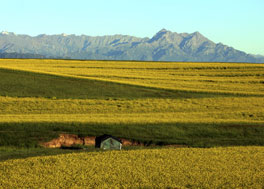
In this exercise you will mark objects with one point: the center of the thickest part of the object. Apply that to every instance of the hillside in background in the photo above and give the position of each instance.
(164, 46)
(21, 56)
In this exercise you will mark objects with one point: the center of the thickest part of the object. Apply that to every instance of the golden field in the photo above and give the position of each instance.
(224, 109)
(186, 104)
(231, 167)
(236, 78)
(230, 92)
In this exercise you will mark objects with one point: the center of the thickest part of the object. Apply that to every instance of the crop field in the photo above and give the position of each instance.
(234, 78)
(214, 105)
(229, 167)
(164, 102)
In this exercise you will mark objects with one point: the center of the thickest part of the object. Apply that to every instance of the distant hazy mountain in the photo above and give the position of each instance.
(164, 46)
(258, 56)
(21, 56)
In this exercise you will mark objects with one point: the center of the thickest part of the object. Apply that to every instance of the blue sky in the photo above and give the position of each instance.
(237, 23)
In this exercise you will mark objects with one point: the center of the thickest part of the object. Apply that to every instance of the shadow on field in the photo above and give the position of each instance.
(32, 84)
(20, 140)
(190, 134)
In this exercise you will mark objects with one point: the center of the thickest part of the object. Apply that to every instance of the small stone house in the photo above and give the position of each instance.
(108, 142)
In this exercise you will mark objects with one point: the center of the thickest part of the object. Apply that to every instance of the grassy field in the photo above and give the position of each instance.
(208, 105)
(234, 78)
(193, 104)
(230, 167)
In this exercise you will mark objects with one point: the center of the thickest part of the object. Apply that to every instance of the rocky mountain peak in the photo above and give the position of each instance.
(194, 42)
(163, 46)
(64, 34)
(161, 35)
(7, 33)
(197, 35)
(164, 31)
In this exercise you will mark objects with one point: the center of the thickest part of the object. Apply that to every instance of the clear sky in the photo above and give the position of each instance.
(237, 23)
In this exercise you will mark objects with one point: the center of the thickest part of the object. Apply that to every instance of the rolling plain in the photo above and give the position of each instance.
(214, 111)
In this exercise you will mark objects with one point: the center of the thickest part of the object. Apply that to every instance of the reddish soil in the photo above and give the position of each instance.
(71, 139)
(126, 142)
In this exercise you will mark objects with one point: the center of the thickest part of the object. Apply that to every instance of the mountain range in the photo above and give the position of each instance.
(163, 46)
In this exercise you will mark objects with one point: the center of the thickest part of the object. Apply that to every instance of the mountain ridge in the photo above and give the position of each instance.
(163, 46)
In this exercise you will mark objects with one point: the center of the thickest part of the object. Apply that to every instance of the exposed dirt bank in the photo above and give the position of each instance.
(71, 139)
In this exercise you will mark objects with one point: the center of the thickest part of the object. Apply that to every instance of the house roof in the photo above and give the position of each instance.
(101, 138)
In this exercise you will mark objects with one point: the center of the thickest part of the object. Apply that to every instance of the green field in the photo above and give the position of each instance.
(192, 104)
